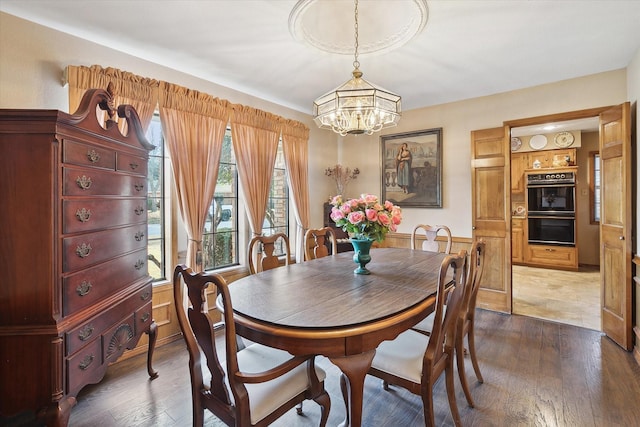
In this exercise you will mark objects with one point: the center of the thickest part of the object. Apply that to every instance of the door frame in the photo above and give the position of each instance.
(537, 120)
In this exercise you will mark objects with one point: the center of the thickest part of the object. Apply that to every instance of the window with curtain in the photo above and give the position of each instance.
(277, 214)
(220, 235)
(156, 202)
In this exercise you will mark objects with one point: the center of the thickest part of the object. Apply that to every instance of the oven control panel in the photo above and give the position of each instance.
(551, 178)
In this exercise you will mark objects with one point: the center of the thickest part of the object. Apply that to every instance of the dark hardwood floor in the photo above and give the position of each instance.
(537, 373)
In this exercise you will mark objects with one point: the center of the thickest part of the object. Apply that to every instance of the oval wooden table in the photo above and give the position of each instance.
(321, 307)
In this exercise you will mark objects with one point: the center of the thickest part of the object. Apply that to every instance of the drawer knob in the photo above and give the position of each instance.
(139, 210)
(83, 250)
(84, 182)
(85, 332)
(138, 187)
(550, 250)
(84, 288)
(145, 295)
(93, 156)
(88, 360)
(139, 264)
(139, 236)
(133, 166)
(83, 214)
(145, 317)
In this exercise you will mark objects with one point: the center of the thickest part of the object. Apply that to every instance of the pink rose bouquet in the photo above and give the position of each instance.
(365, 217)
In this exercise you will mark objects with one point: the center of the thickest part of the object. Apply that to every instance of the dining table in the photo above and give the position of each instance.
(321, 307)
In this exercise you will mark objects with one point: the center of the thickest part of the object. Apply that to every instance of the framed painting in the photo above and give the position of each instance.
(412, 168)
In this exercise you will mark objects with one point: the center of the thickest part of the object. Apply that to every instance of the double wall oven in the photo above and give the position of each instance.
(551, 212)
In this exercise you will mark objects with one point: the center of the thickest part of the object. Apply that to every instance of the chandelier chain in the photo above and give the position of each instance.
(356, 63)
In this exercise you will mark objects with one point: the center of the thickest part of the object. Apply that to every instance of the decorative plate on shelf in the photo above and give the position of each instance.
(516, 143)
(538, 142)
(564, 139)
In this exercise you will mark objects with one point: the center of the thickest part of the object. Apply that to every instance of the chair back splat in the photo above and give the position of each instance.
(467, 317)
(317, 241)
(430, 242)
(253, 386)
(262, 249)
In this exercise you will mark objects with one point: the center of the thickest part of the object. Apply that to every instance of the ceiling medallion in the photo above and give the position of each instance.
(325, 25)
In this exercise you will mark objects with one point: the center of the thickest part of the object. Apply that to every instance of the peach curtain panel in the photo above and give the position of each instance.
(139, 92)
(255, 136)
(295, 141)
(194, 124)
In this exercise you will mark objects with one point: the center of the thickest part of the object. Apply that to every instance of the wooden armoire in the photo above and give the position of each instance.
(75, 291)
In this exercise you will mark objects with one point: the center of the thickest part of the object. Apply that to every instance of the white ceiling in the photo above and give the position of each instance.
(468, 48)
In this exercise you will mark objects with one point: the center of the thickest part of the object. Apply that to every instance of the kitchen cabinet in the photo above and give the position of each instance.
(519, 162)
(518, 240)
(547, 157)
(552, 256)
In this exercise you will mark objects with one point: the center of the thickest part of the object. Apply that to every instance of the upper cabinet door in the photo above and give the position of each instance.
(615, 224)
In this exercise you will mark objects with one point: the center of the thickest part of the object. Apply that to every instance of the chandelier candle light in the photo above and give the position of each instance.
(366, 221)
(357, 106)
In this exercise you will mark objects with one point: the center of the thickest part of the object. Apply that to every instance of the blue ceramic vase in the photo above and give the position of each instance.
(361, 256)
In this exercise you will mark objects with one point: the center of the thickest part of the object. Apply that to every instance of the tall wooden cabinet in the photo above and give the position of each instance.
(75, 291)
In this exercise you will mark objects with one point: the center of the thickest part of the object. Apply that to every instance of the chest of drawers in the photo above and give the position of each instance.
(75, 291)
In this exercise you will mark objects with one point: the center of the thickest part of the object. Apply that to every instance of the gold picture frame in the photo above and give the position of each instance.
(412, 168)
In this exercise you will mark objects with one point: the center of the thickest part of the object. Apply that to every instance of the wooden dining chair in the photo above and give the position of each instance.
(415, 361)
(261, 252)
(249, 387)
(431, 235)
(316, 240)
(466, 319)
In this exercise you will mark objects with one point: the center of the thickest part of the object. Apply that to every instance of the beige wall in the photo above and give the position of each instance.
(33, 58)
(458, 119)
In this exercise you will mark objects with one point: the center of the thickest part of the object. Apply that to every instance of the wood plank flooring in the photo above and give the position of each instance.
(537, 373)
(571, 297)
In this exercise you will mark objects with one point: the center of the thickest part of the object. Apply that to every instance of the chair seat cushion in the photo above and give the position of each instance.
(264, 398)
(402, 356)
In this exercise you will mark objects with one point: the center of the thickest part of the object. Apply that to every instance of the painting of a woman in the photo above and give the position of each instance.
(403, 167)
(412, 168)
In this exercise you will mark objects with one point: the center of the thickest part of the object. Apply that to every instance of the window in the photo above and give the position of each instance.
(276, 218)
(594, 186)
(156, 202)
(220, 235)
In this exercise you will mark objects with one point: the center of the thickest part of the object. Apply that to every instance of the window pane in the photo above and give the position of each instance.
(596, 187)
(220, 235)
(277, 213)
(156, 202)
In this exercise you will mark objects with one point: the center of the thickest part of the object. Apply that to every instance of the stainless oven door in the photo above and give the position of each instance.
(556, 200)
(551, 230)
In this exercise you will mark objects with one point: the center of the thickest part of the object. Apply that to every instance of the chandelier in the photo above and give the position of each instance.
(357, 106)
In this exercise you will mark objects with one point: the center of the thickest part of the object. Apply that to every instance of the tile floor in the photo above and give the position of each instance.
(563, 296)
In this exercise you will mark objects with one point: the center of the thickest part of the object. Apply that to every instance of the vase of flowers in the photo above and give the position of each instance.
(366, 220)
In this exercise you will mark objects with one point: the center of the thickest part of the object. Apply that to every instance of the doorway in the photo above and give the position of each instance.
(560, 295)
